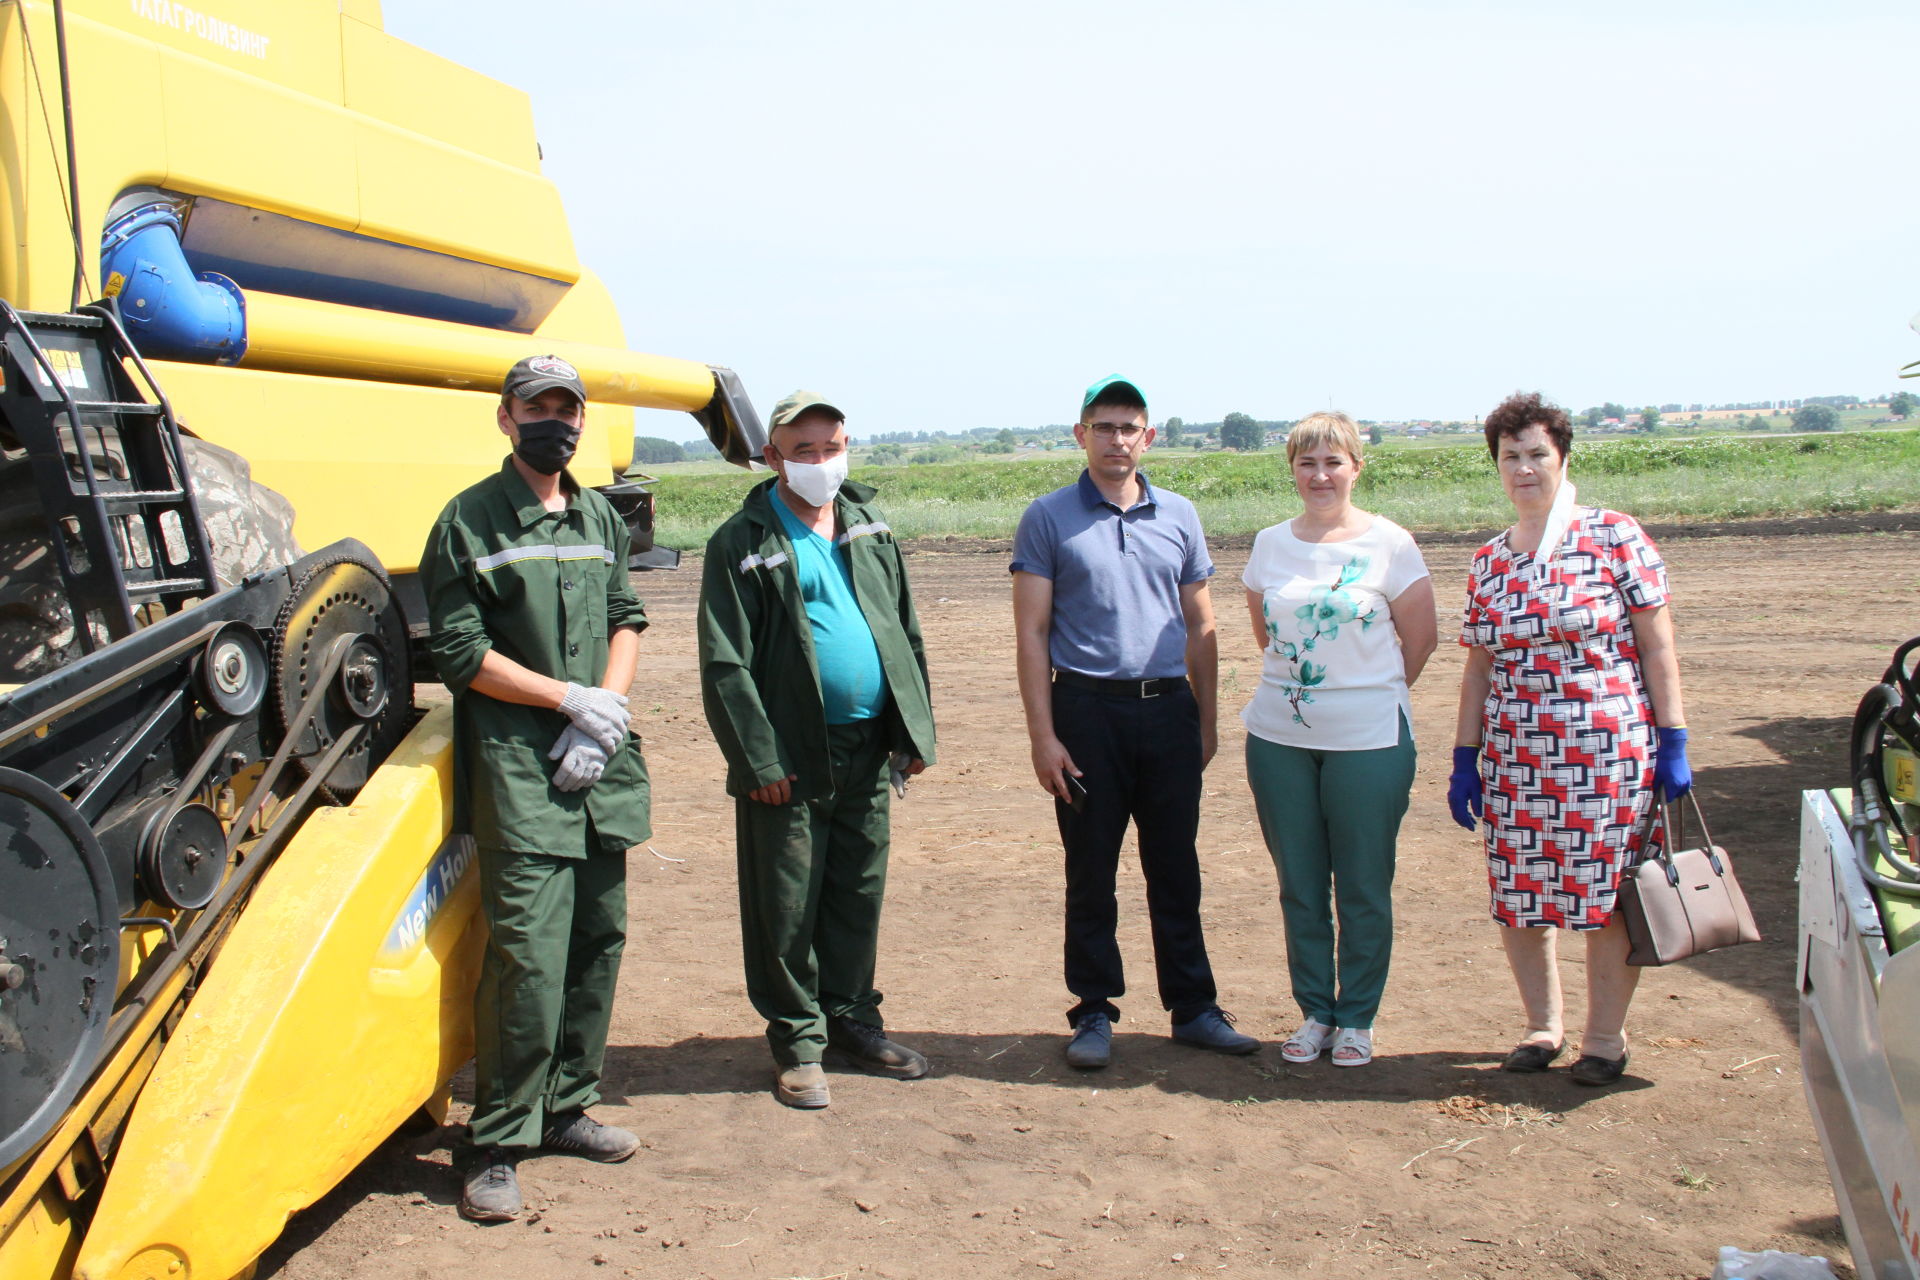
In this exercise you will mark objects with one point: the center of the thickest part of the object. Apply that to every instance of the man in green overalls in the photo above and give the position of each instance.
(815, 685)
(536, 631)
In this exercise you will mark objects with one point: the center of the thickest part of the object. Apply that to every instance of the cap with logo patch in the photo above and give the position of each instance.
(798, 402)
(1108, 383)
(536, 374)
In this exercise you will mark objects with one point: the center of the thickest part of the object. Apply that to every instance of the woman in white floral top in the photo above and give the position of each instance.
(1343, 608)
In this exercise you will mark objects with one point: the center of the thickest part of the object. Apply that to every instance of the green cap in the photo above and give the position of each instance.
(1111, 380)
(797, 403)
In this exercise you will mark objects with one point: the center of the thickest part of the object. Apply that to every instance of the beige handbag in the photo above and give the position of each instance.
(1681, 904)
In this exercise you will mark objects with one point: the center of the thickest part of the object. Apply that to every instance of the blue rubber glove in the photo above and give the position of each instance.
(1672, 775)
(1463, 788)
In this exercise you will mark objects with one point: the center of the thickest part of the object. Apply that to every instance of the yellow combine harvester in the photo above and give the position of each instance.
(237, 937)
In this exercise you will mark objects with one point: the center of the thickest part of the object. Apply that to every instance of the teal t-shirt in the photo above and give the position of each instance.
(851, 683)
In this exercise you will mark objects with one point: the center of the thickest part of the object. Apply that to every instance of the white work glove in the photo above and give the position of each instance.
(601, 714)
(581, 761)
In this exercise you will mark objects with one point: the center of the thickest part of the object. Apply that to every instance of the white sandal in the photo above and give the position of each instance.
(1306, 1044)
(1356, 1044)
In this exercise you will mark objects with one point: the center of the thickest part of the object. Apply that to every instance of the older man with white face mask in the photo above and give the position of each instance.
(815, 685)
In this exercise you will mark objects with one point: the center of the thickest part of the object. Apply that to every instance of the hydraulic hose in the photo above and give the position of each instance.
(1889, 707)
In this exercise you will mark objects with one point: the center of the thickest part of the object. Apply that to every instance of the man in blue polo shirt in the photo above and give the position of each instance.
(1118, 667)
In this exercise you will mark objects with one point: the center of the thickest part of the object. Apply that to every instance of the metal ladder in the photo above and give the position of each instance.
(109, 468)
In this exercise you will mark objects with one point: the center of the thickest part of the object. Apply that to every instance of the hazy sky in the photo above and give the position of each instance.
(958, 215)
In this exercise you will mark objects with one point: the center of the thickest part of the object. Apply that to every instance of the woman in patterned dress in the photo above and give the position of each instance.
(1342, 610)
(1570, 721)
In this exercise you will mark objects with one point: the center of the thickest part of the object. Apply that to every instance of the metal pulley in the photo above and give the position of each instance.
(182, 856)
(232, 674)
(59, 958)
(341, 628)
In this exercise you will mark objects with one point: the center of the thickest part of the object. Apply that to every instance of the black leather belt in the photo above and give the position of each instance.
(1121, 688)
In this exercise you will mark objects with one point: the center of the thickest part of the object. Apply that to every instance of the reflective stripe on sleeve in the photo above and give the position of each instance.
(544, 551)
(756, 561)
(863, 530)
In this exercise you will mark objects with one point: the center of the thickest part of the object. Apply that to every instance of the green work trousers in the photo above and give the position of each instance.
(1331, 819)
(812, 874)
(556, 928)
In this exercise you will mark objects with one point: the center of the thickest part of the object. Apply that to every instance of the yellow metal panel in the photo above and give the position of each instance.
(39, 1233)
(368, 460)
(391, 80)
(588, 311)
(419, 191)
(296, 335)
(28, 160)
(292, 44)
(367, 11)
(165, 103)
(42, 1244)
(324, 1023)
(272, 147)
(270, 131)
(120, 135)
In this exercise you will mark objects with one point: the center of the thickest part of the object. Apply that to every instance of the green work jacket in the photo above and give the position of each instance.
(758, 674)
(547, 589)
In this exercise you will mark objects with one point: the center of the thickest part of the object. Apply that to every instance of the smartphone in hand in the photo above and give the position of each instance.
(1076, 793)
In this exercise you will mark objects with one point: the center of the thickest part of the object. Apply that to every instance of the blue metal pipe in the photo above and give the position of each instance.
(169, 312)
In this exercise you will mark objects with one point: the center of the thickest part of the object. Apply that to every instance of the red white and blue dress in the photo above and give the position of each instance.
(1566, 761)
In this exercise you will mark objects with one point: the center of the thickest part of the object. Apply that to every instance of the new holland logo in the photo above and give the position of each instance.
(435, 886)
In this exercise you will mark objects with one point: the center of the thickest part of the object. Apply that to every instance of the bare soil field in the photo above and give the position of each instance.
(1007, 1162)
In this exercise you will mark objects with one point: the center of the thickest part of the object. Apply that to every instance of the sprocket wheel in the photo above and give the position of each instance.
(343, 602)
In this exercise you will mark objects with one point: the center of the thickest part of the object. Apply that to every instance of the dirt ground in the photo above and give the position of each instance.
(1005, 1161)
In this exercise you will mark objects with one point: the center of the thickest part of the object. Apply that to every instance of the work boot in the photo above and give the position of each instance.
(1092, 1043)
(869, 1048)
(803, 1085)
(1213, 1029)
(491, 1192)
(575, 1133)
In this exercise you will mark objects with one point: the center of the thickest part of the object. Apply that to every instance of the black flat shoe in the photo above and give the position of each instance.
(1590, 1069)
(1529, 1058)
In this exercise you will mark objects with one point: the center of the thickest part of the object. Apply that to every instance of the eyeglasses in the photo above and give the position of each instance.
(1109, 431)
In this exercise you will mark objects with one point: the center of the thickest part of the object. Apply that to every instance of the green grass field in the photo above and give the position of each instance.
(1665, 479)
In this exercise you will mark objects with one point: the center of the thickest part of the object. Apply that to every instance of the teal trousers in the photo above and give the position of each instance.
(812, 876)
(1331, 819)
(556, 928)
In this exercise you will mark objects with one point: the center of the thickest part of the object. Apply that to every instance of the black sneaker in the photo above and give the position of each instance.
(869, 1048)
(1213, 1029)
(1092, 1045)
(492, 1189)
(575, 1133)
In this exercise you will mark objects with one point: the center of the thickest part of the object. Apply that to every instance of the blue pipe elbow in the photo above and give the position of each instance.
(169, 312)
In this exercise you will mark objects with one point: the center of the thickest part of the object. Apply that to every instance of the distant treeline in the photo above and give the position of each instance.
(1717, 478)
(1236, 430)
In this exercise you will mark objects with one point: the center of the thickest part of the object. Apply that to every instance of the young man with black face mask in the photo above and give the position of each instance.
(815, 685)
(536, 631)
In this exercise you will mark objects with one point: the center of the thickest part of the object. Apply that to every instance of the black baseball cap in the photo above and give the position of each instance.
(543, 373)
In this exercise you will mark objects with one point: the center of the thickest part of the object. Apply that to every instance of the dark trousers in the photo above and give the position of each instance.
(1140, 762)
(812, 876)
(556, 928)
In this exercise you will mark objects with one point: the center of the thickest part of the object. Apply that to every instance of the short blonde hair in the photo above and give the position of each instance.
(1322, 429)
